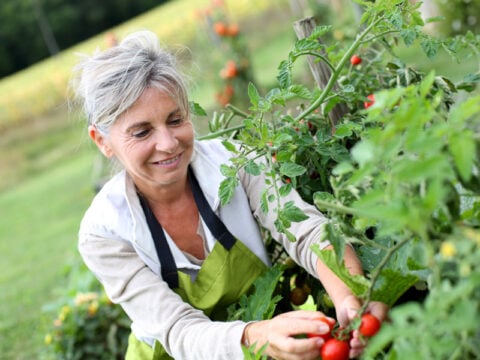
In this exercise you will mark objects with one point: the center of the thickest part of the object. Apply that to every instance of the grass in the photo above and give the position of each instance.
(38, 232)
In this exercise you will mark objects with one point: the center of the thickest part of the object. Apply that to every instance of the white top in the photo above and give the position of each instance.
(116, 244)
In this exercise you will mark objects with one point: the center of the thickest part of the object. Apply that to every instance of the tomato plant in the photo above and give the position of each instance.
(399, 180)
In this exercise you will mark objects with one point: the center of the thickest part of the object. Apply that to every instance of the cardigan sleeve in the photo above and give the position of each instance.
(307, 232)
(153, 307)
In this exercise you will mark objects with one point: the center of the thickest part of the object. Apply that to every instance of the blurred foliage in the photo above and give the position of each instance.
(460, 16)
(86, 325)
(26, 23)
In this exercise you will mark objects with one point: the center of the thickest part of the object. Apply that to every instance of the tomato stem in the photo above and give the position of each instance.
(336, 72)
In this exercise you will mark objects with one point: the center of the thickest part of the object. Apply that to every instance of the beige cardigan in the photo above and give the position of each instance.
(116, 244)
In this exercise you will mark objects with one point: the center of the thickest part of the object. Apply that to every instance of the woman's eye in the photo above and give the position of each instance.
(176, 121)
(140, 133)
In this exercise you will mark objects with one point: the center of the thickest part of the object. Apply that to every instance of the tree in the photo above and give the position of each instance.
(53, 25)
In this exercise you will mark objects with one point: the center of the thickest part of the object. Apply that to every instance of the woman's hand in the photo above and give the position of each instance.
(279, 333)
(348, 310)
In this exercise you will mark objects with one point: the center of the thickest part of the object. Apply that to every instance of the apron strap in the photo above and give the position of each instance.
(214, 224)
(165, 256)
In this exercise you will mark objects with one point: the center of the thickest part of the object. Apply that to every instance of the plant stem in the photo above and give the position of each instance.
(336, 207)
(236, 111)
(336, 72)
(221, 132)
(316, 54)
(376, 274)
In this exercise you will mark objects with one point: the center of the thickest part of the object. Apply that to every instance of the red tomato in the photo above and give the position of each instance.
(220, 28)
(369, 325)
(327, 335)
(233, 30)
(355, 60)
(370, 102)
(335, 349)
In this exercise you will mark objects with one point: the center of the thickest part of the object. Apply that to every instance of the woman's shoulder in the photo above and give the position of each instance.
(109, 208)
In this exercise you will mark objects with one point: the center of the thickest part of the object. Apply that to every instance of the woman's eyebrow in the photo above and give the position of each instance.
(141, 124)
(174, 112)
(137, 125)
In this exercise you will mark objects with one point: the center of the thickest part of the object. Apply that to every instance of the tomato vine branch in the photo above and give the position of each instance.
(336, 73)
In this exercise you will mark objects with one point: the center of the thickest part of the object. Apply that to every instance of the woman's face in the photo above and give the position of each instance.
(153, 140)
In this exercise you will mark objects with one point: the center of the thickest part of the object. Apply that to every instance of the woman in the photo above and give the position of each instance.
(156, 235)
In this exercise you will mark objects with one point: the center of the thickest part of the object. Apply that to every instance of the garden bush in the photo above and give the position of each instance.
(86, 324)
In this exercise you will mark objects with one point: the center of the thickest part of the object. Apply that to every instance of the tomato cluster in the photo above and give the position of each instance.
(336, 347)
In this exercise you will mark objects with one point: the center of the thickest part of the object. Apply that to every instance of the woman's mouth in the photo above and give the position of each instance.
(169, 162)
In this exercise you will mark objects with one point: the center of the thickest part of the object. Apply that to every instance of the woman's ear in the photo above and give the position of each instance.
(100, 140)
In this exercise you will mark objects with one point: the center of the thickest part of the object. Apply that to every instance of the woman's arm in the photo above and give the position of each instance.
(154, 308)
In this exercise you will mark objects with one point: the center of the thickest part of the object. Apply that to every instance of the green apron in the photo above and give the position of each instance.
(226, 274)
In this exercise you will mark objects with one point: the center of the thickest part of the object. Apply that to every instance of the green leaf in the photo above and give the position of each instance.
(252, 168)
(426, 84)
(254, 95)
(292, 170)
(322, 196)
(415, 171)
(363, 152)
(260, 305)
(391, 285)
(465, 110)
(417, 18)
(284, 76)
(358, 284)
(462, 147)
(343, 168)
(285, 189)
(396, 20)
(300, 91)
(196, 109)
(320, 31)
(292, 213)
(409, 36)
(430, 47)
(264, 201)
(227, 189)
(229, 146)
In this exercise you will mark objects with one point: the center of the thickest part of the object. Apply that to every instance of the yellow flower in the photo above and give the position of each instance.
(65, 310)
(57, 322)
(48, 339)
(92, 308)
(82, 298)
(447, 249)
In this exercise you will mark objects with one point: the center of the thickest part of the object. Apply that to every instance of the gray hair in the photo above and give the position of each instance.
(109, 82)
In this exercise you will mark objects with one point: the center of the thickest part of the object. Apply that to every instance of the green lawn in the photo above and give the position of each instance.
(38, 227)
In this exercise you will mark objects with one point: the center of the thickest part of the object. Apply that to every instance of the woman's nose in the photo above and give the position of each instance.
(166, 141)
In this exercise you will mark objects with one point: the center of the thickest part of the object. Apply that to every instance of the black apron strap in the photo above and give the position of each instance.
(214, 224)
(167, 262)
